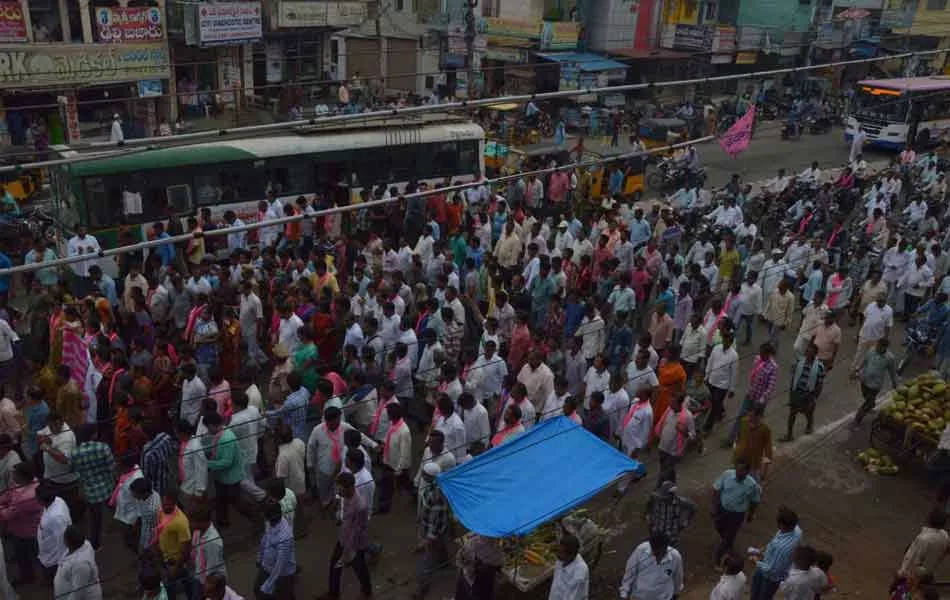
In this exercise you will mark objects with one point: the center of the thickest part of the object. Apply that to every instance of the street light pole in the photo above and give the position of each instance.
(470, 32)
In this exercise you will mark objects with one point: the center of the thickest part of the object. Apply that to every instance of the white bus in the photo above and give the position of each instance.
(893, 111)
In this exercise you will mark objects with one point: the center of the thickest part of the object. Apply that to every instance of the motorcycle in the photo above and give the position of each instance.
(918, 339)
(818, 126)
(792, 130)
(670, 176)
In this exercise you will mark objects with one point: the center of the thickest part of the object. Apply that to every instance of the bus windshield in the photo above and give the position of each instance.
(876, 103)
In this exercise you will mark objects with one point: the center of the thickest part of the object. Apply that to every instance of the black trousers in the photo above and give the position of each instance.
(667, 471)
(387, 487)
(481, 588)
(225, 494)
(358, 564)
(283, 587)
(717, 398)
(727, 526)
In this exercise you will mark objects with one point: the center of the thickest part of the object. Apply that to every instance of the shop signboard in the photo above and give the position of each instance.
(512, 55)
(295, 13)
(560, 35)
(66, 64)
(511, 32)
(724, 40)
(150, 88)
(12, 22)
(131, 25)
(694, 38)
(71, 108)
(226, 23)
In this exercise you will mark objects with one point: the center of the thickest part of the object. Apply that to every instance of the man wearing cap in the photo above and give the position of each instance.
(432, 520)
(563, 239)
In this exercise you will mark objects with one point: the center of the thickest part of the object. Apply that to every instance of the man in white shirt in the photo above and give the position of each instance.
(77, 576)
(731, 584)
(538, 380)
(435, 451)
(654, 571)
(251, 317)
(83, 244)
(571, 579)
(640, 375)
(396, 457)
(238, 240)
(916, 210)
(288, 327)
(53, 523)
(475, 417)
(193, 481)
(449, 423)
(776, 185)
(247, 427)
(811, 175)
(59, 437)
(728, 215)
(878, 321)
(487, 375)
(193, 391)
(722, 371)
(751, 293)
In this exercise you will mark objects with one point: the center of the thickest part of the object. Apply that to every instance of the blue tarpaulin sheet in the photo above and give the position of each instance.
(585, 61)
(536, 477)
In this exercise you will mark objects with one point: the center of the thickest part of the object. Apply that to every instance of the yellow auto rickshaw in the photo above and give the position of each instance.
(504, 123)
(656, 133)
(634, 181)
(21, 184)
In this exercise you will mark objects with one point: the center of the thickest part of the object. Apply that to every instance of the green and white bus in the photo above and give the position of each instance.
(338, 163)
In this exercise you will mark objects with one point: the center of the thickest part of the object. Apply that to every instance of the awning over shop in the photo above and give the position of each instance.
(650, 53)
(585, 61)
(518, 486)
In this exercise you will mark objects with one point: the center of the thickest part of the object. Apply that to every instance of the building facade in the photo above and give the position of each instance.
(67, 67)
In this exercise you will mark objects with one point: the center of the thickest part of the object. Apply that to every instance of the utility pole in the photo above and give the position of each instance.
(470, 33)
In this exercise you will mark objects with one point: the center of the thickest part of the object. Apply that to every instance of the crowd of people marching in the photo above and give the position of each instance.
(257, 372)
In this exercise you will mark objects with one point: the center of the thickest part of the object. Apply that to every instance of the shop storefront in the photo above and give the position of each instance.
(214, 69)
(67, 91)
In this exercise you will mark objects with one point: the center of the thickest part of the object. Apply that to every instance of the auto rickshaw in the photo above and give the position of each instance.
(657, 133)
(505, 122)
(634, 183)
(22, 184)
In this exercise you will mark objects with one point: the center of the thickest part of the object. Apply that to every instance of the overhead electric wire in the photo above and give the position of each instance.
(454, 106)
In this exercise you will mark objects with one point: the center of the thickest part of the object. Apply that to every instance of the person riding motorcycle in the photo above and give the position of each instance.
(930, 318)
(811, 175)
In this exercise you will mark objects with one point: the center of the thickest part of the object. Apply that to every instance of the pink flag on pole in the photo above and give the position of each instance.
(737, 138)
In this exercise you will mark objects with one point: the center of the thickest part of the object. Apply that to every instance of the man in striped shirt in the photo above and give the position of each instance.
(772, 567)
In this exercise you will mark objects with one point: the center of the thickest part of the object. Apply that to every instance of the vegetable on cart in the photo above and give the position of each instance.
(518, 492)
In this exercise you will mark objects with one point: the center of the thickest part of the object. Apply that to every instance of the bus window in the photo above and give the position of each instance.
(101, 206)
(178, 198)
(468, 156)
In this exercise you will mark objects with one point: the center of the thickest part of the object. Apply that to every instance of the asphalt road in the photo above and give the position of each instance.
(864, 520)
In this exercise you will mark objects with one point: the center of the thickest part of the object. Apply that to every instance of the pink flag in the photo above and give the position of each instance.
(737, 138)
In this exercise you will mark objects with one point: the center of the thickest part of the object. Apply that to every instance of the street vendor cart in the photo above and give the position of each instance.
(525, 494)
(911, 419)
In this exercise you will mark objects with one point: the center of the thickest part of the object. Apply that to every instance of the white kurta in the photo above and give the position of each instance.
(571, 581)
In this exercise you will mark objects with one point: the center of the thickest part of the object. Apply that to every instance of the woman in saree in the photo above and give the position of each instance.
(67, 346)
(230, 355)
(672, 379)
(163, 383)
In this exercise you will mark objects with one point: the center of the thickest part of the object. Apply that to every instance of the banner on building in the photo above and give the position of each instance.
(71, 108)
(12, 22)
(294, 13)
(736, 140)
(224, 23)
(510, 32)
(274, 61)
(150, 88)
(724, 40)
(129, 25)
(42, 64)
(692, 38)
(559, 35)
